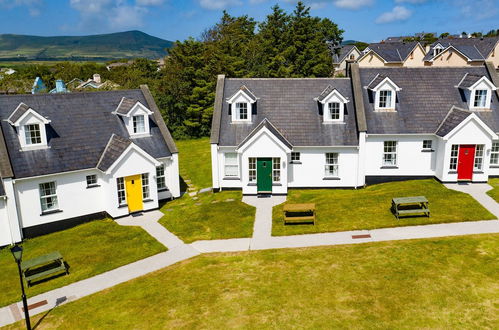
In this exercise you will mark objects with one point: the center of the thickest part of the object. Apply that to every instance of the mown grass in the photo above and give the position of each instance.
(494, 193)
(89, 249)
(448, 283)
(195, 161)
(209, 216)
(369, 208)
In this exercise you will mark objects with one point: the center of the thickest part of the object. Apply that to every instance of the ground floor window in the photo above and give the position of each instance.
(231, 165)
(494, 154)
(276, 169)
(252, 169)
(479, 157)
(427, 144)
(295, 156)
(91, 180)
(120, 185)
(453, 157)
(331, 168)
(390, 153)
(145, 186)
(48, 196)
(160, 177)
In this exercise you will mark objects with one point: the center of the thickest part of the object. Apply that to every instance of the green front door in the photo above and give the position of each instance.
(264, 175)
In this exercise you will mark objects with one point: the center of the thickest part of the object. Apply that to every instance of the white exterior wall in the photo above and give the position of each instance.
(411, 161)
(172, 177)
(5, 237)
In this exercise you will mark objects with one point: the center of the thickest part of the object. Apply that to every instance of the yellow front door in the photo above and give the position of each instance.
(133, 186)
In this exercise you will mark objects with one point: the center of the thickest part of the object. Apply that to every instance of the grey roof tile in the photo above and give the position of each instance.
(453, 118)
(81, 125)
(343, 53)
(18, 112)
(114, 148)
(125, 105)
(393, 51)
(469, 80)
(476, 49)
(329, 89)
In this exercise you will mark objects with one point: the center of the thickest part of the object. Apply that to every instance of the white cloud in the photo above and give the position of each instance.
(219, 4)
(398, 13)
(352, 4)
(32, 5)
(487, 9)
(149, 2)
(124, 17)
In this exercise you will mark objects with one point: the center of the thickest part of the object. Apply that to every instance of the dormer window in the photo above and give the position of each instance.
(437, 50)
(135, 116)
(477, 90)
(385, 91)
(32, 134)
(241, 103)
(30, 127)
(333, 104)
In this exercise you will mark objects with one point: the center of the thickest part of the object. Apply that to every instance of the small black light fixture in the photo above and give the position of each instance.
(17, 252)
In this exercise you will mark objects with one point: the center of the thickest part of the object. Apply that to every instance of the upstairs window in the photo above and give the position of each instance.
(333, 104)
(480, 100)
(494, 154)
(139, 125)
(385, 99)
(32, 134)
(48, 196)
(390, 153)
(437, 51)
(242, 111)
(385, 91)
(334, 110)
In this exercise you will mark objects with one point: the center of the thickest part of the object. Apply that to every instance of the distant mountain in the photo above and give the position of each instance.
(101, 47)
(348, 42)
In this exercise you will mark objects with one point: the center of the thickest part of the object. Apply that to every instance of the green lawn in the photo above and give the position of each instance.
(210, 216)
(369, 208)
(448, 283)
(195, 161)
(494, 193)
(89, 249)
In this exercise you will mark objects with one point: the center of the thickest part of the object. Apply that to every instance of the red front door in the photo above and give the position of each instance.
(466, 161)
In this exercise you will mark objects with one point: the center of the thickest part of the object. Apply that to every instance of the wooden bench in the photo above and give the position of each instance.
(299, 213)
(43, 266)
(410, 206)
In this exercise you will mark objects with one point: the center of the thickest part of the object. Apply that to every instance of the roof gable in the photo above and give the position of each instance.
(266, 124)
(328, 93)
(243, 92)
(453, 118)
(21, 112)
(128, 106)
(113, 150)
(380, 81)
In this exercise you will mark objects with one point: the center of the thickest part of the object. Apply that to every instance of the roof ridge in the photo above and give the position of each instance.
(478, 51)
(67, 94)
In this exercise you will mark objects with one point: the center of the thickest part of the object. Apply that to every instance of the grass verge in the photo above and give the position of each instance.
(494, 193)
(209, 216)
(89, 249)
(369, 208)
(195, 161)
(443, 283)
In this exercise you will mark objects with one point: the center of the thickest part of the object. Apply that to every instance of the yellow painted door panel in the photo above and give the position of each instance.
(133, 186)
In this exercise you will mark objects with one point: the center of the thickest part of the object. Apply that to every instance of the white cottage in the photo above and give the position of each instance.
(376, 125)
(67, 158)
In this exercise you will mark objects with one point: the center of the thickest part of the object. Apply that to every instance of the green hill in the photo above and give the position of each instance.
(103, 47)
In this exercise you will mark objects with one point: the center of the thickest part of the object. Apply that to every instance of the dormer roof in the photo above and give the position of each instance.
(127, 105)
(379, 80)
(243, 90)
(327, 92)
(22, 111)
(471, 80)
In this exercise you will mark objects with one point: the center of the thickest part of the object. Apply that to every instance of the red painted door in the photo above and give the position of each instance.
(466, 161)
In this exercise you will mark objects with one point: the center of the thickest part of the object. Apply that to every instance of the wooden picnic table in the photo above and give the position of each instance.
(410, 205)
(299, 213)
(43, 266)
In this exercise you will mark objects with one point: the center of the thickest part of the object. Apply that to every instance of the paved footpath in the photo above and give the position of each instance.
(262, 239)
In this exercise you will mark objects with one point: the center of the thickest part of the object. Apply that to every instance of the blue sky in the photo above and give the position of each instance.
(367, 20)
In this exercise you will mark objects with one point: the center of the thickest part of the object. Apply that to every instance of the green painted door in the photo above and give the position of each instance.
(264, 175)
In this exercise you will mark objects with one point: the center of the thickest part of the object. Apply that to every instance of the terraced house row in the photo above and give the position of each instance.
(377, 124)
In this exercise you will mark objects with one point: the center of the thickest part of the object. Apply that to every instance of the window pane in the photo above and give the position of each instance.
(138, 124)
(231, 164)
(480, 98)
(160, 177)
(242, 111)
(334, 110)
(252, 169)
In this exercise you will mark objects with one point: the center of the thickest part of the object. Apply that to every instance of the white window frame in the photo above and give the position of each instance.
(28, 136)
(295, 157)
(334, 97)
(494, 153)
(427, 144)
(231, 165)
(454, 154)
(485, 85)
(48, 191)
(161, 177)
(121, 192)
(238, 106)
(481, 98)
(91, 180)
(146, 193)
(388, 105)
(251, 169)
(276, 170)
(135, 125)
(390, 148)
(332, 165)
(479, 153)
(330, 113)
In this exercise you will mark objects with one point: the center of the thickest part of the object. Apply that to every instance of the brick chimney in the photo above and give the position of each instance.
(97, 78)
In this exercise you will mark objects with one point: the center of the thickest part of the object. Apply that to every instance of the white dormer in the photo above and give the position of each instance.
(478, 91)
(437, 49)
(333, 105)
(385, 93)
(30, 127)
(135, 115)
(241, 103)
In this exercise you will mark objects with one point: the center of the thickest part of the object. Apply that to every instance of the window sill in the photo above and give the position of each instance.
(122, 206)
(389, 167)
(93, 186)
(37, 147)
(148, 200)
(235, 178)
(385, 110)
(252, 184)
(331, 178)
(295, 162)
(334, 122)
(427, 150)
(478, 172)
(452, 172)
(50, 212)
(162, 189)
(276, 184)
(140, 135)
(494, 166)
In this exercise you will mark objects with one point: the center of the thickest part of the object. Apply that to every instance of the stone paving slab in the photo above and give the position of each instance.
(224, 245)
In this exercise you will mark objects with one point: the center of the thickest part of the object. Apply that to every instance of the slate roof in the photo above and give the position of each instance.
(476, 49)
(469, 80)
(290, 106)
(266, 123)
(115, 147)
(81, 126)
(18, 112)
(453, 118)
(343, 53)
(393, 51)
(247, 92)
(125, 105)
(425, 99)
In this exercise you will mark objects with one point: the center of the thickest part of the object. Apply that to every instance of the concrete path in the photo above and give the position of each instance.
(479, 192)
(262, 228)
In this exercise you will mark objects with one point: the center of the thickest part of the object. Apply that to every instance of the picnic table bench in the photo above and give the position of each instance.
(410, 205)
(43, 266)
(299, 213)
